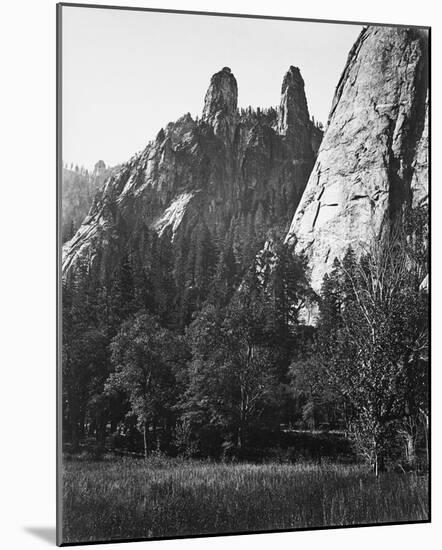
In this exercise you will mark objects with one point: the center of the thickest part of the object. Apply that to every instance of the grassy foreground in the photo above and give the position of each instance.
(130, 498)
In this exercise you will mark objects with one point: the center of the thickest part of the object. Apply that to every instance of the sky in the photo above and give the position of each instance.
(126, 74)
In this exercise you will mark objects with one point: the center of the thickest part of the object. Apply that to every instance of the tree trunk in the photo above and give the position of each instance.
(410, 448)
(240, 436)
(155, 435)
(145, 438)
(425, 426)
(241, 418)
(410, 436)
(100, 433)
(376, 459)
(74, 428)
(82, 422)
(379, 463)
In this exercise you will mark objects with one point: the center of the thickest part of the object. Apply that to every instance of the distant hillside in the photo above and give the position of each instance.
(78, 190)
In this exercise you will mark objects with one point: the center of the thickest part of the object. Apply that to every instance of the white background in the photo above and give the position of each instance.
(27, 273)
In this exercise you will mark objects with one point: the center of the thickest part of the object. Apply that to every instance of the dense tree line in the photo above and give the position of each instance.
(200, 350)
(373, 339)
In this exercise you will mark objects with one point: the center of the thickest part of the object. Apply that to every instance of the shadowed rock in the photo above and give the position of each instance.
(234, 172)
(220, 103)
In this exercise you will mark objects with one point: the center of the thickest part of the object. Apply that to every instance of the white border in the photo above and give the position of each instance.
(27, 275)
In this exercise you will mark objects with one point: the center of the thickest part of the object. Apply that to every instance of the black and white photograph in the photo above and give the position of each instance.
(243, 274)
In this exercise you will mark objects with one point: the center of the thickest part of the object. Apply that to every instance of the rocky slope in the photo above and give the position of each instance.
(235, 173)
(78, 190)
(373, 160)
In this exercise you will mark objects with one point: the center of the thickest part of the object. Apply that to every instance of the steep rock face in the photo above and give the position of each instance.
(419, 179)
(373, 159)
(231, 173)
(220, 104)
(316, 138)
(294, 121)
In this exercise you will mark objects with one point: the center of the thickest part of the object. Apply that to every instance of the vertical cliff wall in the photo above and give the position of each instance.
(373, 160)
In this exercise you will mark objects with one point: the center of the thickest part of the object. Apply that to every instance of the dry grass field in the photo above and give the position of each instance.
(130, 498)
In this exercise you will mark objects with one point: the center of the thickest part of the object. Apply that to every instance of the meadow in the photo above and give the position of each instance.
(161, 497)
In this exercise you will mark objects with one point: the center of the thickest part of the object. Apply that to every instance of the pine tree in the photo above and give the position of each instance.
(225, 279)
(83, 352)
(162, 279)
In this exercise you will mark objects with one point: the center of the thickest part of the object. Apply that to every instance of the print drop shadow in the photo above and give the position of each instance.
(44, 533)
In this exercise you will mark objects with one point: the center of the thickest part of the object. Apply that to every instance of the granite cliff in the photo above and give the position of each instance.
(233, 173)
(373, 161)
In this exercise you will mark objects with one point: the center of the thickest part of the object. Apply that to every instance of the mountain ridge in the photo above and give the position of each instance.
(235, 171)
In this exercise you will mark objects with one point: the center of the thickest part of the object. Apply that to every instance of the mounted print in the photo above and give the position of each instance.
(243, 230)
